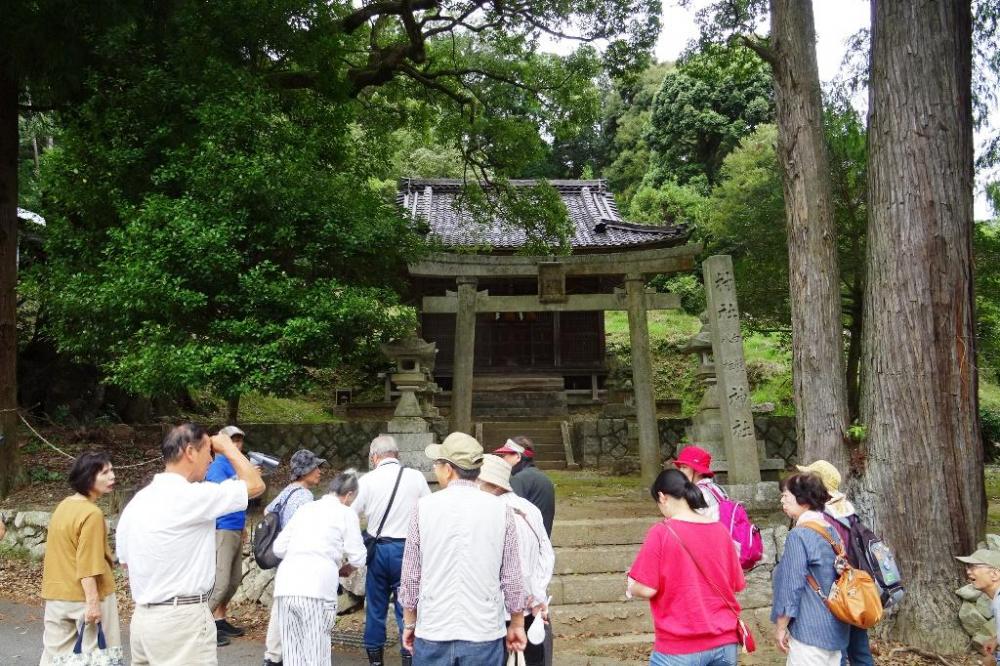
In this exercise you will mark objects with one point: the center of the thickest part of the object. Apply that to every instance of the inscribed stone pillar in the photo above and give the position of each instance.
(731, 371)
(642, 378)
(465, 351)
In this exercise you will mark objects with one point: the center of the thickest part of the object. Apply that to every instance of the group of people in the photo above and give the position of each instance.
(689, 570)
(466, 569)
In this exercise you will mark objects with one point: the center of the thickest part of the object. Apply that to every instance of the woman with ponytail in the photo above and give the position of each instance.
(689, 571)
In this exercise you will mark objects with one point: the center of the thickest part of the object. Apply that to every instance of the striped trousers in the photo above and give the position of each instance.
(306, 623)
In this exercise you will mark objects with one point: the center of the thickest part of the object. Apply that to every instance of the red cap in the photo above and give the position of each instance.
(513, 447)
(697, 459)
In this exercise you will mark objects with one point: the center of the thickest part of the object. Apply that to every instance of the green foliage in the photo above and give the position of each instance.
(714, 98)
(986, 250)
(625, 117)
(688, 286)
(669, 204)
(207, 230)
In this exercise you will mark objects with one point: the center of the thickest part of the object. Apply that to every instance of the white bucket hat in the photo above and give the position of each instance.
(495, 470)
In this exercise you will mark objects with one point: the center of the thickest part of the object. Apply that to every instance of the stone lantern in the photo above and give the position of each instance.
(706, 425)
(414, 360)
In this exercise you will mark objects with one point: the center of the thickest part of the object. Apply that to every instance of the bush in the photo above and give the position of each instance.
(989, 419)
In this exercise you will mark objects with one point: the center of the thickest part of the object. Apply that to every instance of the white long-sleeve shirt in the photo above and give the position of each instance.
(313, 547)
(538, 559)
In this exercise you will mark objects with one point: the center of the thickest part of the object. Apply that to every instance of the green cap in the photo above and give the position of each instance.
(989, 558)
(459, 449)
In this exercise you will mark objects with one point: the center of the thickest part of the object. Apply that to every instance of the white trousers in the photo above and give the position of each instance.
(306, 623)
(800, 654)
(272, 644)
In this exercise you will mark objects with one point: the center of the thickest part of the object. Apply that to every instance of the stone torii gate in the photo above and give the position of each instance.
(551, 272)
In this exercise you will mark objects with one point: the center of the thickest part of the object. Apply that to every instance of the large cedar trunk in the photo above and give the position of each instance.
(8, 278)
(922, 486)
(813, 267)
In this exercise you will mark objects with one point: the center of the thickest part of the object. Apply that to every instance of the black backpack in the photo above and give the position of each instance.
(866, 551)
(266, 533)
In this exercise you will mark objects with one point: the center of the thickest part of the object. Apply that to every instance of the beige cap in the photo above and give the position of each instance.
(827, 473)
(982, 556)
(459, 449)
(495, 470)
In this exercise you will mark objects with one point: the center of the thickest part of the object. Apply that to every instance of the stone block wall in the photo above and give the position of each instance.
(342, 444)
(612, 443)
(26, 530)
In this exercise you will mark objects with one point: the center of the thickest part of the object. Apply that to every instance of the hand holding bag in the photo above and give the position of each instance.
(102, 656)
(743, 635)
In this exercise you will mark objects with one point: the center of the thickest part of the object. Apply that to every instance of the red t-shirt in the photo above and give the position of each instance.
(689, 614)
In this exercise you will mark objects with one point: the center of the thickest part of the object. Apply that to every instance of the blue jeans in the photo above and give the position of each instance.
(858, 652)
(381, 582)
(724, 655)
(457, 653)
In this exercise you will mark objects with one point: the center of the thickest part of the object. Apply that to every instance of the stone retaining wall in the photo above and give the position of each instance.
(26, 530)
(613, 443)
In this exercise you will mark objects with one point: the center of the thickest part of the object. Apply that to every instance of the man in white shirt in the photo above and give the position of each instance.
(166, 538)
(382, 579)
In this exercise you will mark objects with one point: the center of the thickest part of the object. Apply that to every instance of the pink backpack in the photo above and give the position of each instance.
(745, 535)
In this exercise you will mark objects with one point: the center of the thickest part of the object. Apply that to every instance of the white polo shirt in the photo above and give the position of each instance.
(166, 535)
(374, 489)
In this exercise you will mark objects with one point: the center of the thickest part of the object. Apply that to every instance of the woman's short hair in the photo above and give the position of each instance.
(345, 483)
(808, 490)
(85, 470)
(672, 482)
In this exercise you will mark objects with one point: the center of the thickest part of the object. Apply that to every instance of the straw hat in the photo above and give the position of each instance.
(827, 473)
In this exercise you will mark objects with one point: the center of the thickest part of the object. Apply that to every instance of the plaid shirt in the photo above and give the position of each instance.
(511, 578)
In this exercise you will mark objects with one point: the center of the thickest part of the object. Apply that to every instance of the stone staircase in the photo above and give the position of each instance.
(547, 436)
(592, 558)
(588, 588)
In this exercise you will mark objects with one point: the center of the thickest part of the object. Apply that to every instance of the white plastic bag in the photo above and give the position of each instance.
(102, 656)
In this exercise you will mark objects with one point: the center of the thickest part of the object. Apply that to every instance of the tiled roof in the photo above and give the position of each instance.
(592, 209)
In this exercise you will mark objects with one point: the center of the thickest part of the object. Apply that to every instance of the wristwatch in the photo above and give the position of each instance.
(409, 626)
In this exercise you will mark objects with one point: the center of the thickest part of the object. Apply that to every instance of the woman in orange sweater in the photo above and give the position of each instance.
(78, 584)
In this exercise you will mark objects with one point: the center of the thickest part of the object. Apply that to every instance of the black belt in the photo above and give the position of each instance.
(181, 600)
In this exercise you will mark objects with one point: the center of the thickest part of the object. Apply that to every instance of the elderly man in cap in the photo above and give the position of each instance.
(982, 569)
(229, 531)
(838, 514)
(537, 557)
(461, 567)
(306, 475)
(527, 480)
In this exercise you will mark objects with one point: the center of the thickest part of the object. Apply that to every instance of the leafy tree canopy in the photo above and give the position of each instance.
(715, 97)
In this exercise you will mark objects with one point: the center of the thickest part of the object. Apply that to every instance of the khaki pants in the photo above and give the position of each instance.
(228, 566)
(173, 636)
(62, 619)
(800, 654)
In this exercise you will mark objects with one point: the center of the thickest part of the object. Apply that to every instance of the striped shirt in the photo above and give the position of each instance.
(812, 622)
(511, 578)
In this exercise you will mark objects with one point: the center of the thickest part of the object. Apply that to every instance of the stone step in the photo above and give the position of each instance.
(553, 464)
(595, 559)
(550, 455)
(600, 532)
(588, 588)
(604, 619)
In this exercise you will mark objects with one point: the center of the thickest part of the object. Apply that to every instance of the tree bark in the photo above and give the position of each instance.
(820, 391)
(922, 486)
(233, 409)
(855, 333)
(8, 278)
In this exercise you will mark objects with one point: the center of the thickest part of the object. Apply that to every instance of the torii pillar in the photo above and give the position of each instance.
(642, 378)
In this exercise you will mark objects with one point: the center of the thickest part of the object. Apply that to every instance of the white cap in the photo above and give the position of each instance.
(232, 431)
